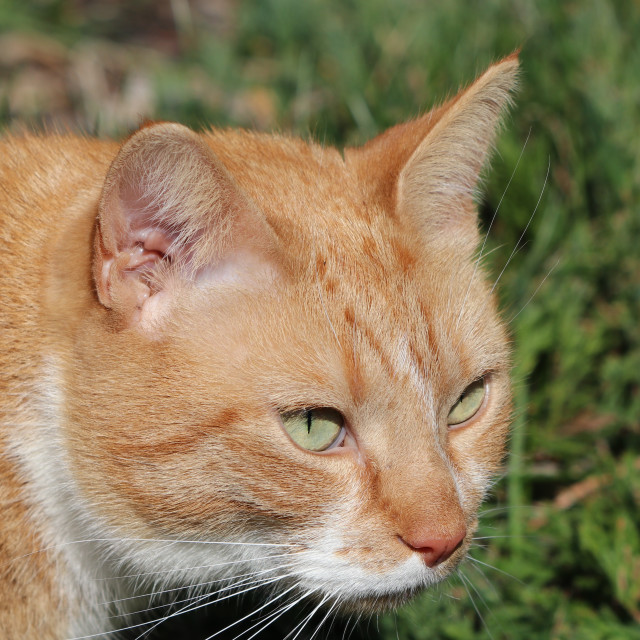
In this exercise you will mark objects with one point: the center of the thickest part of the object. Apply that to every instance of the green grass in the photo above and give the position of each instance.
(343, 70)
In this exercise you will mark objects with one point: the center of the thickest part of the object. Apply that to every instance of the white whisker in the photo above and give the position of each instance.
(248, 580)
(247, 576)
(490, 566)
(486, 235)
(466, 582)
(346, 626)
(306, 620)
(355, 624)
(188, 609)
(272, 617)
(503, 509)
(192, 568)
(114, 539)
(536, 291)
(183, 609)
(546, 178)
(315, 633)
(508, 536)
(481, 573)
(475, 589)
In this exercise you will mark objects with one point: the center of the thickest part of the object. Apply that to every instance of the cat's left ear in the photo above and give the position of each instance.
(172, 216)
(427, 170)
(438, 184)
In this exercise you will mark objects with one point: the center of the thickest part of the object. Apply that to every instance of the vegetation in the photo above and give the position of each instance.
(562, 556)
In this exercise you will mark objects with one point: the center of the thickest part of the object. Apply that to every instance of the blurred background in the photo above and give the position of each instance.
(558, 554)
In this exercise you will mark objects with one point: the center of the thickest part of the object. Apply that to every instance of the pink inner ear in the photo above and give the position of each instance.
(155, 240)
(141, 244)
(150, 246)
(140, 215)
(169, 215)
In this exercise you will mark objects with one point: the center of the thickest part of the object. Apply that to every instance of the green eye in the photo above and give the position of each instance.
(468, 404)
(314, 429)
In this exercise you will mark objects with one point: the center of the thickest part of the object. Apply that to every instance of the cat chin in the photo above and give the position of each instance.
(380, 602)
(358, 591)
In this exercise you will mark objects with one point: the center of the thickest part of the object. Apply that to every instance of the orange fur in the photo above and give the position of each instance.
(163, 300)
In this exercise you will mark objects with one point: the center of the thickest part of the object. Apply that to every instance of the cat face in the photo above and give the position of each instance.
(298, 356)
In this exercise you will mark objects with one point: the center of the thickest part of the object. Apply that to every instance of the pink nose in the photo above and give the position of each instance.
(434, 550)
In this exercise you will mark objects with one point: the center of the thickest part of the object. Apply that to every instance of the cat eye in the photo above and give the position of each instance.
(314, 429)
(468, 403)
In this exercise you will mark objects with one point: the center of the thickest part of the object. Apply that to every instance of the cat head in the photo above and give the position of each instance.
(296, 347)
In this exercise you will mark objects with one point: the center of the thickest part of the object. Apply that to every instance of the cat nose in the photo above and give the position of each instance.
(435, 550)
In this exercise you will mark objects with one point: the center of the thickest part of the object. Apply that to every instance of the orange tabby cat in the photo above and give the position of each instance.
(243, 356)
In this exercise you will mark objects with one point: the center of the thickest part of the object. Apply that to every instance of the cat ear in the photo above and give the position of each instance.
(171, 214)
(437, 185)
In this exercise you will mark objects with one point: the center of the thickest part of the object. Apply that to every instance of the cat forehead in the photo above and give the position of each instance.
(330, 222)
(356, 335)
(356, 270)
(345, 240)
(251, 154)
(286, 176)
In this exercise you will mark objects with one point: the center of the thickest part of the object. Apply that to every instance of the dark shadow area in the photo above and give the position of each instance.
(223, 618)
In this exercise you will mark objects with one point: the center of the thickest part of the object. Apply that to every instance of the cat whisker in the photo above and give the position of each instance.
(185, 609)
(536, 291)
(346, 626)
(333, 606)
(357, 622)
(300, 626)
(245, 582)
(492, 251)
(192, 568)
(268, 620)
(503, 509)
(544, 185)
(466, 582)
(490, 566)
(475, 589)
(55, 547)
(333, 620)
(246, 577)
(486, 235)
(498, 537)
(198, 600)
(484, 577)
(518, 246)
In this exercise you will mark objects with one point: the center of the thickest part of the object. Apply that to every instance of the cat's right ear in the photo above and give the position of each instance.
(171, 215)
